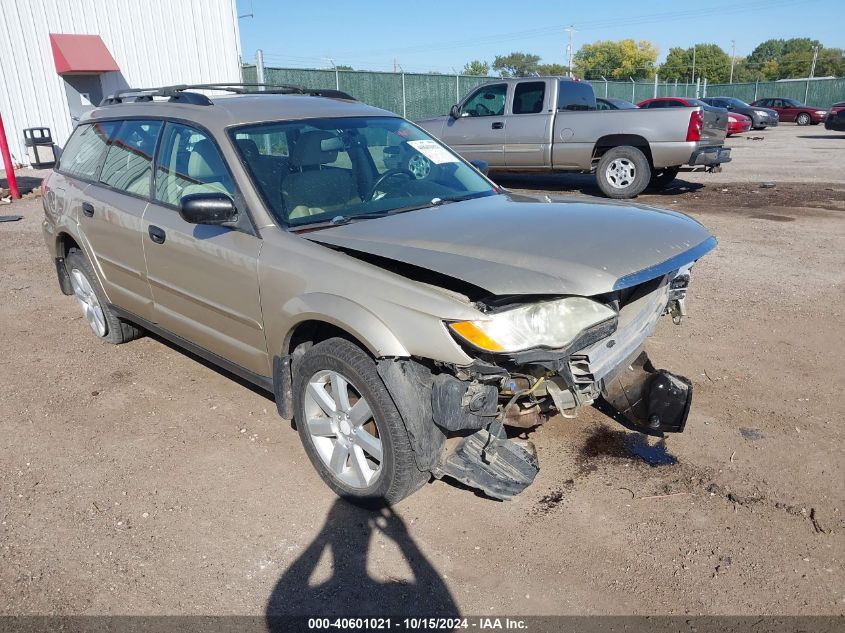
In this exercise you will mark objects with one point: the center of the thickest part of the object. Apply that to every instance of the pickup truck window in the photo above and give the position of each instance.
(486, 101)
(528, 97)
(575, 95)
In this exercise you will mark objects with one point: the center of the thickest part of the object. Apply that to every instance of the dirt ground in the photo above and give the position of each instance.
(138, 480)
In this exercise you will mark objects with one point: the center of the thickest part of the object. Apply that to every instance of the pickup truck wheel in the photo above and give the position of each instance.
(350, 427)
(104, 323)
(623, 172)
(803, 119)
(663, 178)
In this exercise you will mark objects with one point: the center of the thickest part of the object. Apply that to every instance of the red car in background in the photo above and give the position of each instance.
(793, 110)
(738, 123)
(671, 102)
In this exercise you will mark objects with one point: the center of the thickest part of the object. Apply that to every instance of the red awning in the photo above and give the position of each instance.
(81, 54)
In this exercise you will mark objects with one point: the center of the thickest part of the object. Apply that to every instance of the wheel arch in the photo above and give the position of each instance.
(319, 317)
(609, 141)
(64, 243)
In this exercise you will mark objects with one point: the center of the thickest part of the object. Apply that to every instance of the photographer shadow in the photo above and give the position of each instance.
(350, 591)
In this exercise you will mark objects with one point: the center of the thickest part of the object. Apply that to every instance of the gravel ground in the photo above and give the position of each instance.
(138, 480)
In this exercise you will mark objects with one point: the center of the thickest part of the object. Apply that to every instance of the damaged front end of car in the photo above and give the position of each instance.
(515, 383)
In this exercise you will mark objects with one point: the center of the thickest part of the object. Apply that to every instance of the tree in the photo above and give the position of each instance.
(476, 67)
(516, 64)
(792, 58)
(711, 62)
(616, 59)
(344, 67)
(552, 70)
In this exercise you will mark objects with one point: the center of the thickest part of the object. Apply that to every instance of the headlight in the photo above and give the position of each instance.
(821, 111)
(761, 113)
(552, 324)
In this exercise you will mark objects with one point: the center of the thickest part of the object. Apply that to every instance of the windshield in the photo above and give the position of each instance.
(792, 102)
(323, 170)
(696, 102)
(737, 103)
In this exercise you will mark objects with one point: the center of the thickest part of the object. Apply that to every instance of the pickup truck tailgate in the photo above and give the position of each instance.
(714, 125)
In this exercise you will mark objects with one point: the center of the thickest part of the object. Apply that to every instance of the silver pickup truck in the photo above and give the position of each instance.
(552, 124)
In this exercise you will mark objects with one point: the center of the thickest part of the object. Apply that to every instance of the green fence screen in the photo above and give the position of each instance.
(417, 96)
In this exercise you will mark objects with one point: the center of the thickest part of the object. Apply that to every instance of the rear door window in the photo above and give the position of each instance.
(189, 162)
(575, 95)
(129, 161)
(85, 149)
(528, 97)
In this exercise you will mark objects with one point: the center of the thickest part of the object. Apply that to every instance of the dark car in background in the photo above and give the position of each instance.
(793, 110)
(761, 118)
(611, 103)
(836, 107)
(836, 120)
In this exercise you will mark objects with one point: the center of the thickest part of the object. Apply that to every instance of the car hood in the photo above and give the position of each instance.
(511, 244)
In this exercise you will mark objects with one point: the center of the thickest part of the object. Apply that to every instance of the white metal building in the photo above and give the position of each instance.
(51, 73)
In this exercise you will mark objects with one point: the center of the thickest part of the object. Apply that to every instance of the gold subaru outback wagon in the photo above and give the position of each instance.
(402, 309)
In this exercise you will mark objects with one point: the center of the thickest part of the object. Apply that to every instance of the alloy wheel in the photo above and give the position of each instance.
(343, 430)
(87, 298)
(620, 173)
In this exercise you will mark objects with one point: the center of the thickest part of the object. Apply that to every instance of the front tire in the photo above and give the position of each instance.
(803, 119)
(623, 172)
(104, 323)
(350, 427)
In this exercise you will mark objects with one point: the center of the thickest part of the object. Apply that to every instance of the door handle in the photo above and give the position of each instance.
(497, 125)
(157, 235)
(88, 209)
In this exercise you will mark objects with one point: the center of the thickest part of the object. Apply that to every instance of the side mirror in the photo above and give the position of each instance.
(208, 208)
(480, 165)
(455, 112)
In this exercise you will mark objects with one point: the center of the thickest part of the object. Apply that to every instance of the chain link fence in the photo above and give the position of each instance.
(417, 95)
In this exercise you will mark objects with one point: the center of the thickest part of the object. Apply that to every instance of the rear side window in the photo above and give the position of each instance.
(189, 162)
(576, 95)
(528, 97)
(85, 149)
(129, 161)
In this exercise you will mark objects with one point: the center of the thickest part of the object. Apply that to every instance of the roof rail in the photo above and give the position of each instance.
(181, 93)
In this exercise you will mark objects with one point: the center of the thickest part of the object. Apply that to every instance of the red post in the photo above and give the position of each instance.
(7, 162)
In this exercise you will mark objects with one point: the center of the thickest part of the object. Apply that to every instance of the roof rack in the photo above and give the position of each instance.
(181, 93)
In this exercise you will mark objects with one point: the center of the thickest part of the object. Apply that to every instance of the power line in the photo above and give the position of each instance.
(654, 18)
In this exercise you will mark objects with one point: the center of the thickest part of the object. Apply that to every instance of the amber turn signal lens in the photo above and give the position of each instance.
(475, 336)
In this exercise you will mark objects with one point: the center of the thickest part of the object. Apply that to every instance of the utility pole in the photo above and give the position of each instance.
(733, 59)
(813, 65)
(570, 30)
(812, 72)
(692, 80)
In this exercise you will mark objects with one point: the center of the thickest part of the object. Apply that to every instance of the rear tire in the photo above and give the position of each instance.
(366, 458)
(803, 119)
(623, 172)
(660, 180)
(104, 323)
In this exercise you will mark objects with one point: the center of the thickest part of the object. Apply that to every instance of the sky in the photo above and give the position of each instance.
(443, 36)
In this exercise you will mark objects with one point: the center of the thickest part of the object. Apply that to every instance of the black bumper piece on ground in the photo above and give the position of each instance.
(648, 400)
(496, 465)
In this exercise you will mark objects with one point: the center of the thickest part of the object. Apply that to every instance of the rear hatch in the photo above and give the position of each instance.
(714, 125)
